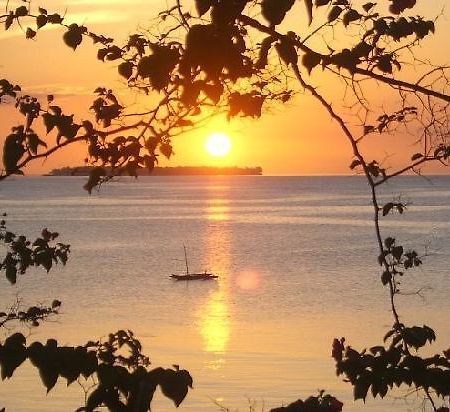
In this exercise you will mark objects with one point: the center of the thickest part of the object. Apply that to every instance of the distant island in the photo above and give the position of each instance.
(168, 171)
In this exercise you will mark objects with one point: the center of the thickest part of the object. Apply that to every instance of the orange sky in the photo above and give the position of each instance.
(293, 139)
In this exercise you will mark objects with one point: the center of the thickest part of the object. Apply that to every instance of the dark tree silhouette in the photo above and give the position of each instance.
(242, 56)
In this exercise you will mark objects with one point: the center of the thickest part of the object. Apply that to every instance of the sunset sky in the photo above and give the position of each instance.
(297, 138)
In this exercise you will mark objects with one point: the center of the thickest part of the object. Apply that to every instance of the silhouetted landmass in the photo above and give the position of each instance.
(167, 171)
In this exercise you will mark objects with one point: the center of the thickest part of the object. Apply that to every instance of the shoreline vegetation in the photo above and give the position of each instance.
(167, 171)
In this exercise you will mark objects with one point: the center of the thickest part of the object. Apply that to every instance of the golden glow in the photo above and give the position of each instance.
(215, 317)
(215, 327)
(218, 144)
(218, 211)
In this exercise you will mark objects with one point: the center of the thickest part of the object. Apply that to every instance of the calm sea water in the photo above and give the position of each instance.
(297, 266)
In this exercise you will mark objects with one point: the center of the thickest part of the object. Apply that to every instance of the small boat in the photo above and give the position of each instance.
(193, 276)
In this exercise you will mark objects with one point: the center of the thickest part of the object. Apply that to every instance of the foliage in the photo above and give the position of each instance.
(321, 403)
(241, 57)
(121, 371)
(23, 254)
(125, 383)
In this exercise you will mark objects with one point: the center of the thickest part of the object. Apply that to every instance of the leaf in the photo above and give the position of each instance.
(274, 11)
(360, 389)
(397, 252)
(21, 11)
(11, 273)
(311, 60)
(174, 384)
(73, 36)
(385, 63)
(287, 52)
(368, 6)
(9, 20)
(41, 21)
(166, 149)
(320, 3)
(389, 242)
(184, 123)
(351, 15)
(125, 69)
(49, 376)
(385, 278)
(309, 9)
(55, 18)
(387, 208)
(202, 6)
(334, 13)
(94, 178)
(13, 151)
(213, 91)
(30, 33)
(34, 142)
(416, 156)
(355, 163)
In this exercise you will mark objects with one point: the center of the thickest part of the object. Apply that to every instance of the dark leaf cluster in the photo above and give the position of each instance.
(8, 89)
(381, 368)
(124, 382)
(394, 258)
(23, 254)
(31, 316)
(321, 403)
(386, 120)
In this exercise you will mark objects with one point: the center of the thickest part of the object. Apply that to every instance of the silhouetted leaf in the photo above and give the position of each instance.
(350, 16)
(21, 11)
(41, 21)
(13, 354)
(11, 273)
(416, 156)
(30, 33)
(335, 12)
(203, 6)
(355, 163)
(274, 11)
(125, 69)
(385, 278)
(311, 60)
(319, 3)
(309, 9)
(387, 208)
(213, 91)
(13, 150)
(175, 383)
(49, 376)
(360, 389)
(166, 149)
(94, 178)
(397, 252)
(368, 6)
(385, 63)
(9, 20)
(74, 35)
(287, 52)
(34, 142)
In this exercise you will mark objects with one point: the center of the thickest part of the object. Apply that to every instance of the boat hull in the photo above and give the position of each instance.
(194, 276)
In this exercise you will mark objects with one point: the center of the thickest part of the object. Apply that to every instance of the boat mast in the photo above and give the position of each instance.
(185, 259)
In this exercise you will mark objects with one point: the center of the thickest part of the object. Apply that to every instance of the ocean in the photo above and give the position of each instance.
(297, 265)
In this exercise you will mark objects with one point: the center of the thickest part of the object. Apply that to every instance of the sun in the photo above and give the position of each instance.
(218, 144)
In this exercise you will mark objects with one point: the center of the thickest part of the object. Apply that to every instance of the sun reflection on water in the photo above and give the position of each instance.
(215, 324)
(215, 317)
